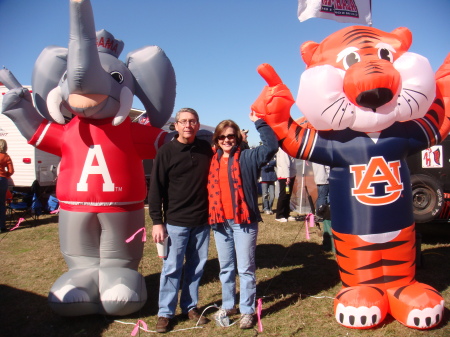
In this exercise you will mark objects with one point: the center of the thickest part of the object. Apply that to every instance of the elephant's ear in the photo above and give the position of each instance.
(155, 82)
(48, 70)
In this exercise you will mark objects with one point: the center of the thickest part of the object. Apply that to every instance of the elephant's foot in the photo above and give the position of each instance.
(122, 291)
(417, 305)
(75, 293)
(360, 307)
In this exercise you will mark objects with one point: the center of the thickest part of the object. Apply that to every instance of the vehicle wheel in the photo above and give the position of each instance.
(428, 198)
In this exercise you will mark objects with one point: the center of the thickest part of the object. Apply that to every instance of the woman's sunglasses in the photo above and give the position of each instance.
(229, 137)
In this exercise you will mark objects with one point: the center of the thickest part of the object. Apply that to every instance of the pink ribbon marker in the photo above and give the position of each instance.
(17, 224)
(136, 327)
(259, 312)
(144, 236)
(309, 223)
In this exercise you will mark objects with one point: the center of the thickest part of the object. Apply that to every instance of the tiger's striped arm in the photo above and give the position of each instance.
(274, 105)
(443, 90)
(297, 139)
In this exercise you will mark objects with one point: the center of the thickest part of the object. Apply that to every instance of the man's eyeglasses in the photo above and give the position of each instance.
(186, 121)
(229, 137)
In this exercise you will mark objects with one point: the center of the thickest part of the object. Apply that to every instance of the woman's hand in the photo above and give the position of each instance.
(253, 116)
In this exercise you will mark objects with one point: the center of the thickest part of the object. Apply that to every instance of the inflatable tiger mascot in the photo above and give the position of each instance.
(369, 104)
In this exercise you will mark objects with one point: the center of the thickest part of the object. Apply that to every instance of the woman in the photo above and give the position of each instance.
(6, 171)
(234, 212)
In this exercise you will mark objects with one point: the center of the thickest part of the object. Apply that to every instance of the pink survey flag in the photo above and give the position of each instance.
(356, 11)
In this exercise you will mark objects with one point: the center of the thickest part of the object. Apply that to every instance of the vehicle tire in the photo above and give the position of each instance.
(428, 198)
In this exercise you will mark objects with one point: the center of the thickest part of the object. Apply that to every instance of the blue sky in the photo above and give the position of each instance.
(215, 46)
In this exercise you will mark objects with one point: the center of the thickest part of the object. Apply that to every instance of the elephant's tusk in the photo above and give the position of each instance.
(54, 100)
(126, 102)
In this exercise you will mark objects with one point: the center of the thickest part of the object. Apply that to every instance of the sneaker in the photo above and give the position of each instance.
(281, 220)
(221, 318)
(267, 212)
(163, 324)
(194, 315)
(247, 321)
(291, 218)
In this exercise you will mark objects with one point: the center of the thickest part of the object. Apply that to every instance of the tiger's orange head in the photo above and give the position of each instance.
(364, 79)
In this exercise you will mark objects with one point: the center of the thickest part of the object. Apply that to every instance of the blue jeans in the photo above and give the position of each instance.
(268, 193)
(192, 243)
(236, 244)
(3, 189)
(323, 192)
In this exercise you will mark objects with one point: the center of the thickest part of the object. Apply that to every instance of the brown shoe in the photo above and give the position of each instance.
(194, 315)
(163, 324)
(231, 312)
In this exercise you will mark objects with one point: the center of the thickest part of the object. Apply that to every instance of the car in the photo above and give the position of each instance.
(430, 181)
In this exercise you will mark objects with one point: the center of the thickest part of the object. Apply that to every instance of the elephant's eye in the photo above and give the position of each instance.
(64, 77)
(117, 76)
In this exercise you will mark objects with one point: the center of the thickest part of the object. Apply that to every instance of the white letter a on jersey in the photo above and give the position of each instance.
(95, 152)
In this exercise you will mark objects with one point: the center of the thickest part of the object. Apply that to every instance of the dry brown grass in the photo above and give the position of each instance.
(296, 278)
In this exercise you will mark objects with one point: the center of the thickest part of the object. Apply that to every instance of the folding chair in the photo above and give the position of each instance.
(21, 207)
(52, 205)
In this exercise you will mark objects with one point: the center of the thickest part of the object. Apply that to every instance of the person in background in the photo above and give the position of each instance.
(268, 179)
(244, 143)
(6, 171)
(321, 176)
(178, 206)
(286, 172)
(234, 212)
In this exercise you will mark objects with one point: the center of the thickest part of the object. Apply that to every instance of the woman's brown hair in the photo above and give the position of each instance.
(227, 123)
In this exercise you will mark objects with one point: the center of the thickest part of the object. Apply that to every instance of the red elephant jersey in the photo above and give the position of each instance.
(101, 165)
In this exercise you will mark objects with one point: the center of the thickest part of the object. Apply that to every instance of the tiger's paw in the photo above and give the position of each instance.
(360, 307)
(417, 305)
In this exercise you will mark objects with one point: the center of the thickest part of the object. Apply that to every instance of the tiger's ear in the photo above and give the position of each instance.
(307, 51)
(404, 35)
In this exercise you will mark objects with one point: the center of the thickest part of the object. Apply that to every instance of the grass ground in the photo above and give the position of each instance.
(296, 280)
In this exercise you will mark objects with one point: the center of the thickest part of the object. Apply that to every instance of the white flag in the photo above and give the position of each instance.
(358, 11)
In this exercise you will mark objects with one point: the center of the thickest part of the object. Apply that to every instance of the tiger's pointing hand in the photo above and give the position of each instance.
(275, 101)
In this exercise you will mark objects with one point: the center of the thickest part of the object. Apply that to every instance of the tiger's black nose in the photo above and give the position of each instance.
(374, 98)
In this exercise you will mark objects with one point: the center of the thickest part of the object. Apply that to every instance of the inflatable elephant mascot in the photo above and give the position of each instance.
(101, 184)
(369, 103)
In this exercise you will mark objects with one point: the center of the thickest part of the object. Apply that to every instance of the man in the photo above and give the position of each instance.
(244, 143)
(286, 172)
(178, 206)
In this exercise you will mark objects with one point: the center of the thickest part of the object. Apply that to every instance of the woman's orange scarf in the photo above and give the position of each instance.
(216, 213)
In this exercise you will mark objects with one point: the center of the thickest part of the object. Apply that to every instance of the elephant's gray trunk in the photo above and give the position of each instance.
(84, 70)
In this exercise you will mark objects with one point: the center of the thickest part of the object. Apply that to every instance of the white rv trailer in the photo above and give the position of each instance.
(30, 164)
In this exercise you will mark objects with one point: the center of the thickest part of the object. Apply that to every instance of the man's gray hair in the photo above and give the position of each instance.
(190, 110)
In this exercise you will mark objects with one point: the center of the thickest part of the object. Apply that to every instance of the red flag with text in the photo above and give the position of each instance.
(357, 11)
